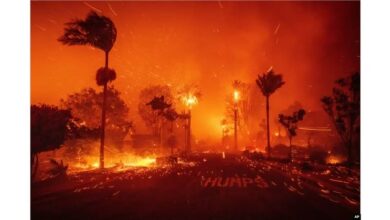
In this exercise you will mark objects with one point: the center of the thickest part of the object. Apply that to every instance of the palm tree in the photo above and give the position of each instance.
(100, 32)
(268, 83)
(160, 105)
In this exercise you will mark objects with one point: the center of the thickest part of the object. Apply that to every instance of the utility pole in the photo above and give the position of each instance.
(235, 127)
(189, 132)
(190, 100)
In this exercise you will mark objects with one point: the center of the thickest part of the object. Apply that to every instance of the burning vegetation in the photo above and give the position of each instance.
(115, 140)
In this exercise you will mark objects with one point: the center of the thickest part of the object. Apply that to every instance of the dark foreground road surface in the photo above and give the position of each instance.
(211, 187)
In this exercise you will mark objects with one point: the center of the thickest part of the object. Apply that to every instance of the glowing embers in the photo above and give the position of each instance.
(233, 182)
(141, 161)
(122, 162)
(334, 160)
(190, 100)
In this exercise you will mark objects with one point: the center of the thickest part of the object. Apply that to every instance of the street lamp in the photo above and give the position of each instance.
(236, 98)
(189, 100)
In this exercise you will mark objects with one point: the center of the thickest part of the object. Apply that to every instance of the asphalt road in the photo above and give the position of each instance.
(210, 187)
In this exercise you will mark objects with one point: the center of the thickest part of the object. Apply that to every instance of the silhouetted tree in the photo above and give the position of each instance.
(164, 111)
(100, 32)
(159, 104)
(344, 110)
(268, 83)
(290, 123)
(170, 114)
(49, 129)
(296, 106)
(148, 115)
(85, 106)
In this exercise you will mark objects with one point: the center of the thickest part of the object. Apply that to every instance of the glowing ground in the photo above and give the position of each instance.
(199, 191)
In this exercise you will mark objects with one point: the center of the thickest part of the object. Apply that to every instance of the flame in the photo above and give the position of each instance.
(95, 164)
(190, 100)
(141, 162)
(120, 162)
(334, 160)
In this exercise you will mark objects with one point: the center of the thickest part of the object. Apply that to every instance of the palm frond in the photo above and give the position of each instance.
(269, 82)
(96, 30)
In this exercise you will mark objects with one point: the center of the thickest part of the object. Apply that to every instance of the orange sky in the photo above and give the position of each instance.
(206, 43)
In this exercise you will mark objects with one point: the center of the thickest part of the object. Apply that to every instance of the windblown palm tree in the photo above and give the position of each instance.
(159, 104)
(268, 83)
(97, 31)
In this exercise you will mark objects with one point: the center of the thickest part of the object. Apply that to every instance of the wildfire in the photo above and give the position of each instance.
(122, 162)
(141, 162)
(334, 160)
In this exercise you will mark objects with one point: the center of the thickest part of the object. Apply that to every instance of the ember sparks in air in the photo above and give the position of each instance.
(232, 110)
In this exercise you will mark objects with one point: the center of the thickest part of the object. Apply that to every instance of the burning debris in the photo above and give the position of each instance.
(153, 140)
(334, 160)
(122, 162)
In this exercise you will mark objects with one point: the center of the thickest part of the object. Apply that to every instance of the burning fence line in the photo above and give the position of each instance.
(234, 181)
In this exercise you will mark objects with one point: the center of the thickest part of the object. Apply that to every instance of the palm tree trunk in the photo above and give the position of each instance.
(268, 133)
(103, 125)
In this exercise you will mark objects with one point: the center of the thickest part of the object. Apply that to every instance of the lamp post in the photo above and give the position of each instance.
(189, 132)
(190, 100)
(236, 97)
